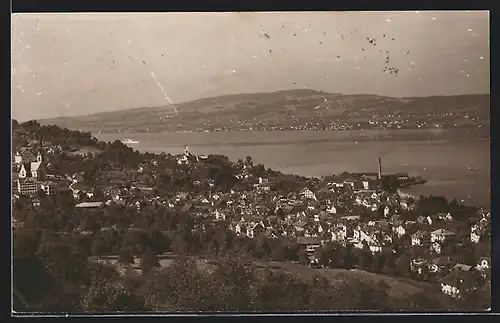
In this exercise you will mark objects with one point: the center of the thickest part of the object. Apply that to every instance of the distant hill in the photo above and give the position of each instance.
(293, 109)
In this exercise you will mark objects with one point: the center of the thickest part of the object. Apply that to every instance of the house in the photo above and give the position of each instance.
(475, 236)
(308, 194)
(463, 267)
(478, 229)
(310, 244)
(458, 282)
(23, 173)
(484, 263)
(421, 219)
(399, 230)
(372, 241)
(435, 247)
(299, 225)
(187, 207)
(443, 216)
(440, 264)
(331, 209)
(219, 215)
(26, 155)
(442, 235)
(49, 187)
(240, 227)
(339, 234)
(17, 158)
(419, 238)
(77, 189)
(27, 186)
(256, 229)
(418, 264)
(350, 217)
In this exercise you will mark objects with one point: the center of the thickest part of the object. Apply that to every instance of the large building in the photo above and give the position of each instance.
(29, 173)
(27, 186)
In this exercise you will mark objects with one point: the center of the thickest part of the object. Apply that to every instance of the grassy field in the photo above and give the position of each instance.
(399, 287)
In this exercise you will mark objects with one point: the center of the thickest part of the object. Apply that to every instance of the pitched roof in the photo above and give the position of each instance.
(34, 166)
(299, 223)
(419, 234)
(459, 279)
(308, 240)
(79, 186)
(442, 232)
(462, 267)
(488, 259)
(186, 207)
(27, 180)
(250, 218)
(441, 261)
(89, 204)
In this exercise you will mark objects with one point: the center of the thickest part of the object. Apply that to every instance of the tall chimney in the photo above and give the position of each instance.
(379, 168)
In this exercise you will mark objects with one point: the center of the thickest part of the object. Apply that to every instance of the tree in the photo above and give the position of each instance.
(126, 255)
(106, 295)
(248, 161)
(303, 257)
(377, 263)
(149, 260)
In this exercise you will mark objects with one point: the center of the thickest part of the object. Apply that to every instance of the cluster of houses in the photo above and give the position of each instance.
(31, 172)
(313, 216)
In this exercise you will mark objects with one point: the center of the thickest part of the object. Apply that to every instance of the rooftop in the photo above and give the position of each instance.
(89, 204)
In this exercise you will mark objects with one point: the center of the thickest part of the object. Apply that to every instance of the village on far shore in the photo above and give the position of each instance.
(358, 211)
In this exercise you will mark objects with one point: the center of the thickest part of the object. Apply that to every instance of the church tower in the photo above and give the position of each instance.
(186, 150)
(39, 157)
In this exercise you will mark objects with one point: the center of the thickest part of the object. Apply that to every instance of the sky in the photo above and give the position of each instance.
(76, 64)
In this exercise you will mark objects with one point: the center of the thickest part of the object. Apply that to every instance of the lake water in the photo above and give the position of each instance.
(456, 163)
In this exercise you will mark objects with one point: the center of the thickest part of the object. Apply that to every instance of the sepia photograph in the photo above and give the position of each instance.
(245, 163)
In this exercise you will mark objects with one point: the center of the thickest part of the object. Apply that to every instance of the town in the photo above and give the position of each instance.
(127, 206)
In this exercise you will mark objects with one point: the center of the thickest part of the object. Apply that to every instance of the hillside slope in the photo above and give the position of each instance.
(293, 109)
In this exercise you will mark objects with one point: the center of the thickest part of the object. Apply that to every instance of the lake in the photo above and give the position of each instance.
(456, 162)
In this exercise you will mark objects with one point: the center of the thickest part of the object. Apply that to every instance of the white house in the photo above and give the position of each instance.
(255, 229)
(17, 158)
(441, 235)
(474, 237)
(484, 263)
(338, 235)
(331, 209)
(418, 238)
(457, 281)
(400, 231)
(22, 172)
(219, 215)
(373, 244)
(307, 193)
(240, 226)
(436, 247)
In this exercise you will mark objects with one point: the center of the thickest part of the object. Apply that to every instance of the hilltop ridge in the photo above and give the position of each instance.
(291, 110)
